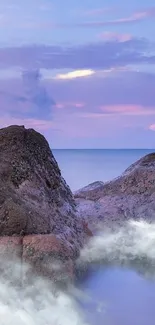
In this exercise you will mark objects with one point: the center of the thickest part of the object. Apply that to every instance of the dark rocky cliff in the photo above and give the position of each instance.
(37, 209)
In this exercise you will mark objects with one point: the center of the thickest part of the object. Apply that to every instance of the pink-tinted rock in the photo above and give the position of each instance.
(47, 257)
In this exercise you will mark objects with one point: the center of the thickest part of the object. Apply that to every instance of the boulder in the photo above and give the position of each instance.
(131, 195)
(34, 197)
(39, 225)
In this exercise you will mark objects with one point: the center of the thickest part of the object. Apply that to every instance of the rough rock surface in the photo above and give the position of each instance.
(47, 257)
(91, 188)
(132, 195)
(34, 198)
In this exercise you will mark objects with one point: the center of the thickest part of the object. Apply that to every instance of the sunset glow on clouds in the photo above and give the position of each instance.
(84, 76)
(128, 110)
(111, 36)
(75, 74)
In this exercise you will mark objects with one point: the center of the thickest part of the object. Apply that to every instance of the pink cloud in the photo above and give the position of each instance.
(64, 105)
(135, 17)
(60, 105)
(79, 105)
(152, 127)
(112, 36)
(127, 110)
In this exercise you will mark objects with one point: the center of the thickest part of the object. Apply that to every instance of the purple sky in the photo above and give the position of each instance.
(81, 72)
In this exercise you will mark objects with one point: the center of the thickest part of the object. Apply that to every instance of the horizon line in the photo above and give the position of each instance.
(103, 148)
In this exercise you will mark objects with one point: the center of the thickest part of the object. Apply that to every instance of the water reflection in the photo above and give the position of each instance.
(119, 295)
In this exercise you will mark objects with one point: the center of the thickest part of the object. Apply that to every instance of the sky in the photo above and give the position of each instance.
(80, 72)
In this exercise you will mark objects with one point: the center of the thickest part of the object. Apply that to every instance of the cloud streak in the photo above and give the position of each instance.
(115, 37)
(115, 92)
(75, 74)
(41, 21)
(88, 110)
(97, 55)
(133, 18)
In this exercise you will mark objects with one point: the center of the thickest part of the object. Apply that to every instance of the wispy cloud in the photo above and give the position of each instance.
(127, 110)
(87, 109)
(120, 91)
(113, 36)
(97, 55)
(64, 105)
(135, 17)
(41, 22)
(152, 127)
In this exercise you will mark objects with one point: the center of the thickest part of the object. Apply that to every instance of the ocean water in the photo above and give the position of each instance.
(81, 167)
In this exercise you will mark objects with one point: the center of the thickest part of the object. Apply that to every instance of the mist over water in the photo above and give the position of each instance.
(42, 303)
(133, 241)
(121, 275)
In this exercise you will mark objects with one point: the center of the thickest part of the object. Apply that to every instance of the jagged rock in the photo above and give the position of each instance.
(34, 198)
(132, 195)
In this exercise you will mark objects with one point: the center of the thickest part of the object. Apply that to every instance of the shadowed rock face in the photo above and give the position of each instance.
(132, 195)
(34, 198)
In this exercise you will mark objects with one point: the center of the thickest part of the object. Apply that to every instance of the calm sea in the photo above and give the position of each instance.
(81, 167)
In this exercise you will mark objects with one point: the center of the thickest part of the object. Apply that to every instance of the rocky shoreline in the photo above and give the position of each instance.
(42, 223)
(129, 196)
